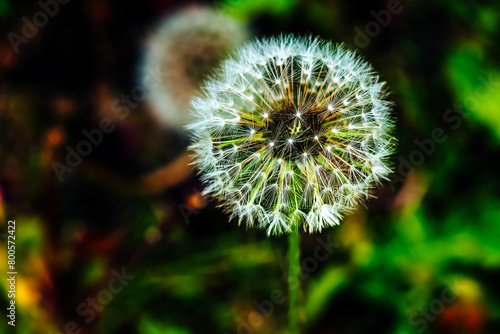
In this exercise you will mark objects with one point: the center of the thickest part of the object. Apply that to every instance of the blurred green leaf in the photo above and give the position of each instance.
(148, 326)
(322, 290)
(476, 85)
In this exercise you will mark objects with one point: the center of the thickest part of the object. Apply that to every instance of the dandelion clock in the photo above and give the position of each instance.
(289, 135)
(181, 52)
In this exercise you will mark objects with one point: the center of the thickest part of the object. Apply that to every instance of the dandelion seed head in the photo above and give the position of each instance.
(180, 53)
(310, 98)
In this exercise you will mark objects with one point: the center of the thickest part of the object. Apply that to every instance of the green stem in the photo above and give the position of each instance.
(293, 280)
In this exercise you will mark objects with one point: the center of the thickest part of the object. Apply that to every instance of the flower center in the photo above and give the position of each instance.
(294, 133)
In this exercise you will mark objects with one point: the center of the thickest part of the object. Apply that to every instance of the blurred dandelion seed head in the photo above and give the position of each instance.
(292, 132)
(182, 52)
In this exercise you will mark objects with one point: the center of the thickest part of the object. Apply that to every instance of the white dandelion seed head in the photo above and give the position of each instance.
(181, 53)
(322, 163)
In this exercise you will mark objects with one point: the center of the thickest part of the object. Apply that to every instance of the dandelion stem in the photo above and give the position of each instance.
(293, 280)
